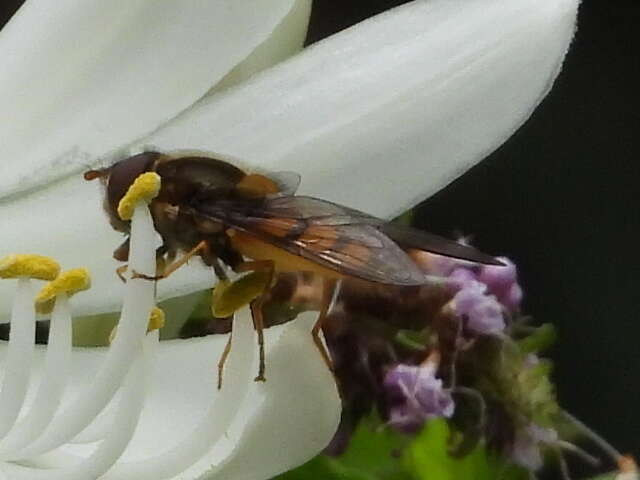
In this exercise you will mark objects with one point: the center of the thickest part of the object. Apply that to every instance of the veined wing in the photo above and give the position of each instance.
(328, 234)
(328, 213)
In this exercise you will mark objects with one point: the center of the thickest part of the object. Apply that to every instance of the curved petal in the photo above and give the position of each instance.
(276, 428)
(405, 101)
(423, 92)
(283, 432)
(81, 79)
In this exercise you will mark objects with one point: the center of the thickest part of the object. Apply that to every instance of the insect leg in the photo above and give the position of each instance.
(219, 270)
(330, 295)
(169, 269)
(120, 272)
(258, 323)
(161, 261)
(122, 254)
(256, 306)
(223, 359)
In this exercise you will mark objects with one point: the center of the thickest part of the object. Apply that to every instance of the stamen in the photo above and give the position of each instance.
(579, 452)
(609, 449)
(138, 302)
(142, 190)
(69, 283)
(156, 322)
(54, 380)
(562, 463)
(22, 334)
(112, 447)
(20, 351)
(156, 319)
(28, 265)
(126, 367)
(215, 423)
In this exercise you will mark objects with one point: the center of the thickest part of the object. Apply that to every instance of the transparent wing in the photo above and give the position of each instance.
(328, 234)
(413, 238)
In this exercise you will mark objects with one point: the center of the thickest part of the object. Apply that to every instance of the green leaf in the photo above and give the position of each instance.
(381, 454)
(374, 448)
(428, 458)
(325, 468)
(373, 454)
(606, 476)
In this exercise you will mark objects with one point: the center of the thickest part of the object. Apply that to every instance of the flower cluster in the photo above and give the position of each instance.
(458, 349)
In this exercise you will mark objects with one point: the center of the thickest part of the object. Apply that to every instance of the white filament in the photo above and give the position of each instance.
(126, 367)
(20, 352)
(113, 445)
(54, 381)
(97, 429)
(138, 302)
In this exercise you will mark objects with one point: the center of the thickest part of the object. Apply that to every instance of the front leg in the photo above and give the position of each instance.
(122, 254)
(167, 270)
(120, 272)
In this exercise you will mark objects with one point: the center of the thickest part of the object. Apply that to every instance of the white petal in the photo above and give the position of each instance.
(277, 426)
(403, 103)
(283, 432)
(377, 117)
(82, 78)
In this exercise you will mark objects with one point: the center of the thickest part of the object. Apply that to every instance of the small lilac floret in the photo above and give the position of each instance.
(463, 277)
(502, 281)
(415, 396)
(527, 443)
(482, 312)
(513, 298)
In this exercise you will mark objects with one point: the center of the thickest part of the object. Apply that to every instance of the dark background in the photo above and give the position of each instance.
(561, 198)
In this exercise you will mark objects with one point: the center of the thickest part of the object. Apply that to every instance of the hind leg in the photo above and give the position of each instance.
(329, 299)
(267, 266)
(251, 289)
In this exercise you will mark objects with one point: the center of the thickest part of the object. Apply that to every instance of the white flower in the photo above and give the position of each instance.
(376, 117)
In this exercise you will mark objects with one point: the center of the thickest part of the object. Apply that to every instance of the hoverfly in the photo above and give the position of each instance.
(213, 209)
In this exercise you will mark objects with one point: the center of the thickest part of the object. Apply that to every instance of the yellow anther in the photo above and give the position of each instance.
(156, 319)
(143, 189)
(69, 282)
(156, 322)
(27, 265)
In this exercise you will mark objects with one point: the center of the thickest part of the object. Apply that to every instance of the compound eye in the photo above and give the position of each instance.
(123, 174)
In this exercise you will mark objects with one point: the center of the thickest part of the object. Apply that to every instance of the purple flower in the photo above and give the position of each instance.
(526, 447)
(463, 277)
(415, 396)
(503, 283)
(482, 312)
